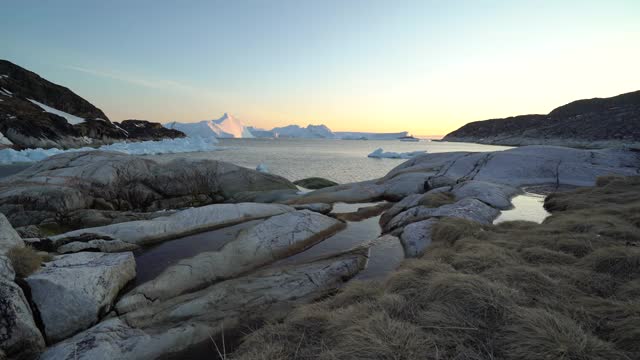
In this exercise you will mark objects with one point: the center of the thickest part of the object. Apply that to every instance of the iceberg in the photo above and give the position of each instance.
(379, 153)
(226, 127)
(351, 135)
(165, 146)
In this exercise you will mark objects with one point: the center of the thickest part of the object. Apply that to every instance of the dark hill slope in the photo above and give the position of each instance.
(598, 122)
(25, 124)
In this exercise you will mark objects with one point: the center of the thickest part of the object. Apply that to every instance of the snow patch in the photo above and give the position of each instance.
(4, 76)
(379, 153)
(166, 146)
(71, 119)
(262, 167)
(6, 92)
(4, 140)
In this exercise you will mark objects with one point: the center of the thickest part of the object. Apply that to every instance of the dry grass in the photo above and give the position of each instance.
(437, 199)
(565, 289)
(26, 260)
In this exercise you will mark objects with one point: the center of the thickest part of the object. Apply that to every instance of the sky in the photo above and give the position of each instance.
(427, 67)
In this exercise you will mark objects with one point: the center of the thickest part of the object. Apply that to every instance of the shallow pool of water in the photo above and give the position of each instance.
(151, 261)
(528, 206)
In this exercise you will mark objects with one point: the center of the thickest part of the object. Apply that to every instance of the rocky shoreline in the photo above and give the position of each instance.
(94, 211)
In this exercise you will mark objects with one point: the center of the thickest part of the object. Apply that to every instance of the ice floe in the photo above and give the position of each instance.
(379, 153)
(166, 146)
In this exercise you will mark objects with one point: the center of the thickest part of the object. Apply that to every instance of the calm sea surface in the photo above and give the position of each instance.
(342, 161)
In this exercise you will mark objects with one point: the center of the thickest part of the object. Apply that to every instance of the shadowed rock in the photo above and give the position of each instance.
(49, 190)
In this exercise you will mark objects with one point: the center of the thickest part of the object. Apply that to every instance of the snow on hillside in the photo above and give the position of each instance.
(165, 146)
(225, 127)
(4, 140)
(71, 119)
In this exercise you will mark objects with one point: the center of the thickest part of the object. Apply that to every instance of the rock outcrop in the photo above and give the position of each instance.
(275, 238)
(74, 291)
(50, 190)
(20, 338)
(144, 130)
(177, 324)
(584, 123)
(36, 113)
(8, 236)
(121, 236)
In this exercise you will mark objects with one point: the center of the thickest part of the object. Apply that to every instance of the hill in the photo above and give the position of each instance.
(598, 122)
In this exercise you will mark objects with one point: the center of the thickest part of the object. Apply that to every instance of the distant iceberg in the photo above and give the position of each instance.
(351, 135)
(165, 146)
(379, 153)
(225, 127)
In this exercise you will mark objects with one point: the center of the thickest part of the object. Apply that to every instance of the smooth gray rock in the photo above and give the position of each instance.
(190, 319)
(19, 335)
(408, 202)
(416, 237)
(177, 224)
(470, 209)
(101, 180)
(8, 236)
(496, 195)
(275, 238)
(73, 291)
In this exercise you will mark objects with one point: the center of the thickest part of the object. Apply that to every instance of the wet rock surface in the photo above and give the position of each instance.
(275, 238)
(175, 325)
(178, 224)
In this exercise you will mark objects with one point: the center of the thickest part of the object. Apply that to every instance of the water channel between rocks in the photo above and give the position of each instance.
(384, 256)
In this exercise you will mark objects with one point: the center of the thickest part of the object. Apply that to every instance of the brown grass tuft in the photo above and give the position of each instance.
(26, 260)
(568, 288)
(449, 230)
(437, 199)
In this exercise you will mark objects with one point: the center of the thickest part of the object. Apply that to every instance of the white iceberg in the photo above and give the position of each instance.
(165, 146)
(379, 153)
(262, 167)
(225, 127)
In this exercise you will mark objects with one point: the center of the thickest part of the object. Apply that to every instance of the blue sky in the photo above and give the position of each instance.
(423, 66)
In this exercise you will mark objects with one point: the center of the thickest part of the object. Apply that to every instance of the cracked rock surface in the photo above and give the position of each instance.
(189, 319)
(73, 291)
(275, 238)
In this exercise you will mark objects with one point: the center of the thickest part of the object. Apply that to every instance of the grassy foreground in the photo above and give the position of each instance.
(565, 289)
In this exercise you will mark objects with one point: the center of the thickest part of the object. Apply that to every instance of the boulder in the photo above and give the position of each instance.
(416, 237)
(8, 236)
(74, 291)
(19, 335)
(177, 224)
(51, 189)
(496, 195)
(278, 237)
(177, 324)
(470, 209)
